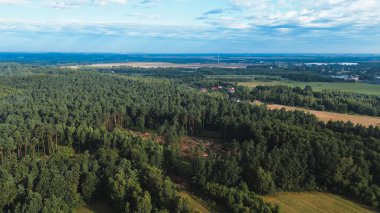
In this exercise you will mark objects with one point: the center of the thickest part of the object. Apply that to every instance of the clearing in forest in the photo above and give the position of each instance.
(315, 202)
(94, 207)
(327, 116)
(189, 144)
(195, 202)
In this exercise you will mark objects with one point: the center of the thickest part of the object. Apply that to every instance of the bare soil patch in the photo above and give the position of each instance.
(189, 144)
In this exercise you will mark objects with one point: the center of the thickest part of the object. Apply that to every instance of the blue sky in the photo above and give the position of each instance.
(196, 26)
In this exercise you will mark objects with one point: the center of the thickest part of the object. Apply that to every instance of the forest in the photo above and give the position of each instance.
(64, 141)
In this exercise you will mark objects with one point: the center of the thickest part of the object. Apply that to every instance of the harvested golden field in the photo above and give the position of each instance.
(315, 202)
(327, 116)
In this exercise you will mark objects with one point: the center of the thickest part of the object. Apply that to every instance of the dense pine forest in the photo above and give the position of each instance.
(326, 100)
(65, 140)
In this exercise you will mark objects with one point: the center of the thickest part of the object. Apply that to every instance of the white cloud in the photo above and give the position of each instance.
(254, 19)
(311, 13)
(72, 3)
(12, 1)
(104, 2)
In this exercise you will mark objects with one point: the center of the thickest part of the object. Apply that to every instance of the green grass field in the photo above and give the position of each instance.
(94, 207)
(201, 203)
(363, 88)
(195, 202)
(315, 202)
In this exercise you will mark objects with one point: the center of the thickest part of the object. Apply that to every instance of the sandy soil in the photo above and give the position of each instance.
(327, 116)
(160, 65)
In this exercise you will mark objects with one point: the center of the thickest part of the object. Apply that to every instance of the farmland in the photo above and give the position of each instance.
(160, 65)
(363, 88)
(327, 116)
(315, 202)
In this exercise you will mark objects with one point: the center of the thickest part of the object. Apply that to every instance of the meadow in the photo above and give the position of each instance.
(195, 202)
(315, 202)
(94, 207)
(363, 88)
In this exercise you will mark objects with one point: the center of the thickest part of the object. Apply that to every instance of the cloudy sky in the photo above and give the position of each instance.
(196, 26)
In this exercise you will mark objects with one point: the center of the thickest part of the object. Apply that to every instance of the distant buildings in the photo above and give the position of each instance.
(325, 64)
(343, 77)
(316, 64)
(282, 64)
(217, 88)
(231, 90)
(354, 78)
(348, 64)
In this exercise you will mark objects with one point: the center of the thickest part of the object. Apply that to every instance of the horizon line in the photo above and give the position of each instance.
(183, 53)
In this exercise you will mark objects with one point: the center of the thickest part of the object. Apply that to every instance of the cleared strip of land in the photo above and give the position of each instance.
(315, 202)
(194, 202)
(161, 65)
(327, 116)
(94, 207)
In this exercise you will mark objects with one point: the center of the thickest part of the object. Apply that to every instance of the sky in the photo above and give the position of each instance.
(190, 26)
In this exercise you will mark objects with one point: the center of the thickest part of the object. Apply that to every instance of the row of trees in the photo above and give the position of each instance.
(329, 100)
(238, 199)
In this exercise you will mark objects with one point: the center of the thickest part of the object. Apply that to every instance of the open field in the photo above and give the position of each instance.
(315, 202)
(195, 202)
(202, 203)
(369, 89)
(94, 207)
(161, 65)
(326, 116)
